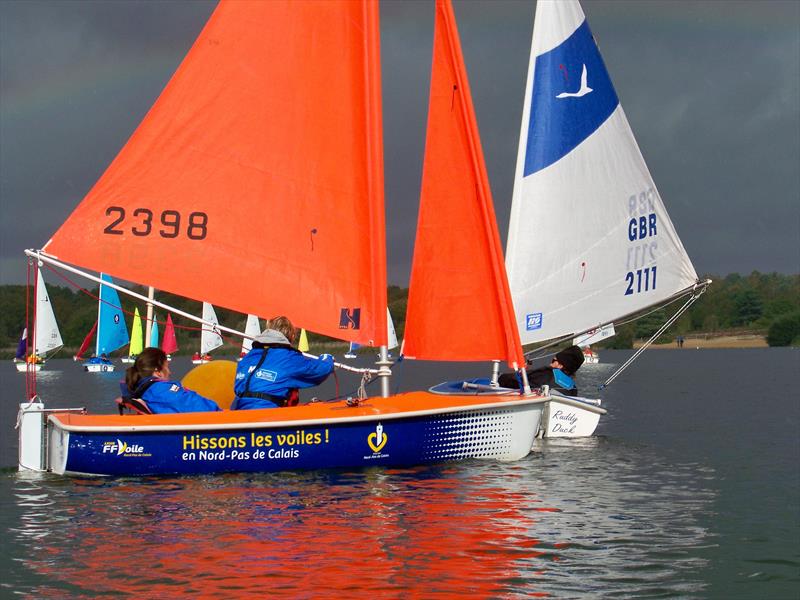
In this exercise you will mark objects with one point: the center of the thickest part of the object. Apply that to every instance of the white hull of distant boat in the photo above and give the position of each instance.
(24, 367)
(200, 361)
(591, 358)
(128, 360)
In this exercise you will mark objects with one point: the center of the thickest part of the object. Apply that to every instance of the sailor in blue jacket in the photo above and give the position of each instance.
(272, 372)
(148, 380)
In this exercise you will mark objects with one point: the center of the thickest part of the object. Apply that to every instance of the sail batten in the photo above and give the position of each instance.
(261, 194)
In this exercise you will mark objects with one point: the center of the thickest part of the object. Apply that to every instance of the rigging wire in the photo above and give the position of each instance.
(695, 295)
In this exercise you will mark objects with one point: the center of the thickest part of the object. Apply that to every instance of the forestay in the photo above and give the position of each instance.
(589, 239)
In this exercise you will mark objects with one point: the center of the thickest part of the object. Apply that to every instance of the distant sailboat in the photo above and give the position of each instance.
(137, 340)
(593, 336)
(111, 331)
(170, 343)
(251, 329)
(209, 337)
(302, 345)
(85, 344)
(47, 337)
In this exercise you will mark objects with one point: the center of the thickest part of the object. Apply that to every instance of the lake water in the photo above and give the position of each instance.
(690, 489)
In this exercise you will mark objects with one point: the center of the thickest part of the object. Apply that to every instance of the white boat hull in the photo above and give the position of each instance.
(568, 417)
(128, 360)
(591, 359)
(22, 367)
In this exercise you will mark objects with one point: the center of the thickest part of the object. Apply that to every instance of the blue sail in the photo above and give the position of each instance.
(154, 333)
(22, 347)
(112, 332)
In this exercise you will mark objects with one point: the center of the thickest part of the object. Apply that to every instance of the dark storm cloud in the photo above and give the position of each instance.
(710, 88)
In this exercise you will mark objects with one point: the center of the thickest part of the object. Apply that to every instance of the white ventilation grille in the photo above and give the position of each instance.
(480, 434)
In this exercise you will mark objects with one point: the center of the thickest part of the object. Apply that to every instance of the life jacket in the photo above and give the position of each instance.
(293, 399)
(133, 400)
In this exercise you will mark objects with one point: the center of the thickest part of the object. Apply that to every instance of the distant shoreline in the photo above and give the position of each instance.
(713, 341)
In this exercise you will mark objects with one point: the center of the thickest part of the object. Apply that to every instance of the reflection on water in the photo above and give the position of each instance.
(556, 524)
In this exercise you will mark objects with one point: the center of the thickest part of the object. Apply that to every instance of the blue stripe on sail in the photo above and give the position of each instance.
(558, 125)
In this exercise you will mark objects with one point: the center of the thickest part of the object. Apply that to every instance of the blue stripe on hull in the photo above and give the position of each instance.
(398, 442)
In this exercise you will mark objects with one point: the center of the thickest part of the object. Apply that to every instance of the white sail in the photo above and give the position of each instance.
(210, 338)
(392, 339)
(48, 337)
(589, 238)
(251, 329)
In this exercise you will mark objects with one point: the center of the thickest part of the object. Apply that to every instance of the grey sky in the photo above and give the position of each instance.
(712, 91)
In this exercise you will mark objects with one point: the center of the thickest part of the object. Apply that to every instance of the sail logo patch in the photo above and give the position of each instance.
(572, 97)
(533, 321)
(350, 318)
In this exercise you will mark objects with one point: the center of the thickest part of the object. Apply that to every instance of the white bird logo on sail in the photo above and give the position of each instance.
(584, 89)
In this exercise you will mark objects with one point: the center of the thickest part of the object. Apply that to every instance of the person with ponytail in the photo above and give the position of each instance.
(148, 380)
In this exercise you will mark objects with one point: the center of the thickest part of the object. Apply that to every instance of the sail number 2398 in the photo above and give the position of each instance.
(640, 280)
(167, 224)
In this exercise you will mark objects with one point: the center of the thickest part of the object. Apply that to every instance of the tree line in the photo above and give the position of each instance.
(768, 304)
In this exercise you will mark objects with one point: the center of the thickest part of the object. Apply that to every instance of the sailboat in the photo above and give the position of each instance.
(46, 335)
(111, 331)
(209, 336)
(593, 336)
(579, 167)
(251, 329)
(170, 342)
(320, 166)
(137, 338)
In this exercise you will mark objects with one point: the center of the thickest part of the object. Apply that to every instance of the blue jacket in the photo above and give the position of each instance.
(164, 396)
(282, 370)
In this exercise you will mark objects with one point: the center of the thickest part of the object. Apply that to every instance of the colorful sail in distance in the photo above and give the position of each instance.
(154, 332)
(302, 345)
(137, 340)
(589, 239)
(86, 341)
(459, 306)
(22, 346)
(251, 329)
(170, 343)
(302, 139)
(111, 330)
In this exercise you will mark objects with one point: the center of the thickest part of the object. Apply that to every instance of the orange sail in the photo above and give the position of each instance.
(459, 305)
(255, 182)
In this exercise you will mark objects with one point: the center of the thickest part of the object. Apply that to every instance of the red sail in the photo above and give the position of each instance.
(255, 182)
(86, 341)
(170, 343)
(459, 305)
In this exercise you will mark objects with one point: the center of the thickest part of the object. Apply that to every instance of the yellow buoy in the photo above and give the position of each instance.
(213, 380)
